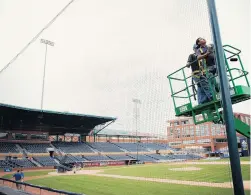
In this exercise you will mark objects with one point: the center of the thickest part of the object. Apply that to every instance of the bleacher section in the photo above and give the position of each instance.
(4, 164)
(70, 159)
(182, 157)
(97, 158)
(143, 158)
(159, 157)
(119, 150)
(151, 146)
(45, 160)
(132, 147)
(35, 148)
(105, 147)
(165, 146)
(121, 157)
(8, 148)
(73, 147)
(21, 163)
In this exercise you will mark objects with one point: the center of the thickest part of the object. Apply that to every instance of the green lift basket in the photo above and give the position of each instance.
(211, 111)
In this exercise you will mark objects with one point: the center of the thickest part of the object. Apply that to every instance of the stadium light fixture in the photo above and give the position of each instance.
(50, 43)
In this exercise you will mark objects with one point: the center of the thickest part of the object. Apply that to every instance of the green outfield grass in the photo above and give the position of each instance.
(93, 185)
(227, 159)
(208, 173)
(30, 174)
(241, 158)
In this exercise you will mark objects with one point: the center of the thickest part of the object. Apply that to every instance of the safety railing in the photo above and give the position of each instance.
(33, 189)
(230, 52)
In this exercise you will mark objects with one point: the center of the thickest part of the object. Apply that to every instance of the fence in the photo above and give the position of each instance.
(34, 189)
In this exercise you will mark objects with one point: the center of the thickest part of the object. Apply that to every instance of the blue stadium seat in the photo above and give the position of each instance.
(73, 147)
(132, 147)
(35, 148)
(8, 148)
(105, 147)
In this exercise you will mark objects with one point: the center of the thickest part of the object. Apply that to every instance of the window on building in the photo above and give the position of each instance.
(190, 121)
(203, 141)
(184, 122)
(20, 136)
(198, 132)
(220, 140)
(189, 142)
(39, 136)
(3, 135)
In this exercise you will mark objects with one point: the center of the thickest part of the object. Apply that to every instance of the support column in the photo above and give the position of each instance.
(226, 101)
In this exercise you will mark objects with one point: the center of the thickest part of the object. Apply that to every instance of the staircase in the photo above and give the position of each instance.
(22, 150)
(56, 150)
(124, 150)
(35, 162)
(93, 149)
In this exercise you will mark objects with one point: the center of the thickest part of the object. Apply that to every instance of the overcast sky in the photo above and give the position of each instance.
(109, 51)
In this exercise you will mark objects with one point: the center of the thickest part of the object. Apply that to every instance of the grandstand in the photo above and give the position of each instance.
(131, 147)
(73, 147)
(105, 147)
(30, 148)
(8, 148)
(35, 148)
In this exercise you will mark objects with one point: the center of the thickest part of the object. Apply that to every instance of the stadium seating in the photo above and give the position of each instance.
(8, 148)
(165, 146)
(194, 157)
(158, 157)
(97, 158)
(45, 160)
(142, 158)
(21, 163)
(182, 157)
(121, 157)
(80, 159)
(35, 148)
(73, 147)
(152, 146)
(71, 159)
(105, 147)
(132, 147)
(5, 164)
(76, 147)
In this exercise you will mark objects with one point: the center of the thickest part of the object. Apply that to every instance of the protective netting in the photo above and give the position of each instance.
(109, 53)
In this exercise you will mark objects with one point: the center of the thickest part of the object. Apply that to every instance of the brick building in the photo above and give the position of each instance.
(182, 133)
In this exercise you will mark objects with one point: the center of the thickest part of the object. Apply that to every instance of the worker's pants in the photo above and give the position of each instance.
(204, 93)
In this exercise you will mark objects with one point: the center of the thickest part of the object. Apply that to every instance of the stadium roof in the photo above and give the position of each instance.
(19, 118)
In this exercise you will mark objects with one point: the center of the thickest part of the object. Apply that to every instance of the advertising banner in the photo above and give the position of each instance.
(7, 169)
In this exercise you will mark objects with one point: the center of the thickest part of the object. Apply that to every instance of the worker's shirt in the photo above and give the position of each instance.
(17, 176)
(209, 60)
(201, 50)
(193, 62)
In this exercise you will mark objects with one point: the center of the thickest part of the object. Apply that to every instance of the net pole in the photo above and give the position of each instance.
(226, 101)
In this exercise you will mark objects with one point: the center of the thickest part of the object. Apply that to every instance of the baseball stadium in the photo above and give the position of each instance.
(136, 122)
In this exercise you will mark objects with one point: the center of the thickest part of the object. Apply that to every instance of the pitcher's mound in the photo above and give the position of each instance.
(186, 169)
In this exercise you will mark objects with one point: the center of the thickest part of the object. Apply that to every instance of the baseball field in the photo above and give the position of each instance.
(190, 178)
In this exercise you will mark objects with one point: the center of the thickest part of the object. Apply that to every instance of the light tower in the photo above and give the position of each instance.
(136, 102)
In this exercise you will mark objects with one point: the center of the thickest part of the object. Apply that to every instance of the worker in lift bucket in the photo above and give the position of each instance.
(204, 93)
(206, 55)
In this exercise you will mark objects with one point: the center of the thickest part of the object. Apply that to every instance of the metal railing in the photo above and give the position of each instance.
(227, 50)
(34, 189)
